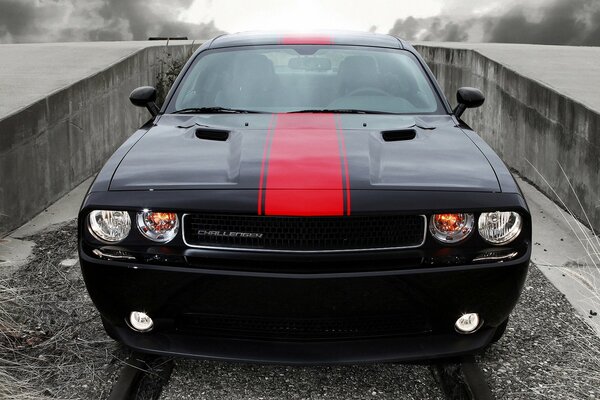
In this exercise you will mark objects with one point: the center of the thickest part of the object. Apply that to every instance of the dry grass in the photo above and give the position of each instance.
(589, 240)
(13, 370)
(52, 344)
(585, 270)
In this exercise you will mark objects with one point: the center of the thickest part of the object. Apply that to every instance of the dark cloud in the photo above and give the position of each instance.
(410, 27)
(92, 20)
(21, 18)
(561, 22)
(569, 22)
(12, 16)
(450, 31)
(593, 36)
(430, 29)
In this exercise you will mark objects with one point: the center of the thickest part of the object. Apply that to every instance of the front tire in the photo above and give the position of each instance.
(500, 331)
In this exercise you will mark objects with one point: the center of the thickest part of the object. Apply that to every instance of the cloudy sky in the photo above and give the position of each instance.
(337, 14)
(575, 22)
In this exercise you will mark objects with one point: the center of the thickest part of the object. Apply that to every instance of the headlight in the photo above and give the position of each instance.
(158, 226)
(451, 228)
(500, 227)
(109, 226)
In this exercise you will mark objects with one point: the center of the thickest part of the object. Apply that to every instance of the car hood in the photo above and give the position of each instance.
(305, 152)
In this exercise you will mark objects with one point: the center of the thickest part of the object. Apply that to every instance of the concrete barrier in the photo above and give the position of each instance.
(529, 119)
(541, 107)
(58, 140)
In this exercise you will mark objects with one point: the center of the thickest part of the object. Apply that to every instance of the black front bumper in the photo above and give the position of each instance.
(304, 318)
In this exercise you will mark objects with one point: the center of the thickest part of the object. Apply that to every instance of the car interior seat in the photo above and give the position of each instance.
(254, 83)
(357, 72)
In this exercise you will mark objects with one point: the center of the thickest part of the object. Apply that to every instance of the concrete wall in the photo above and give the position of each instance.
(527, 121)
(52, 145)
(55, 143)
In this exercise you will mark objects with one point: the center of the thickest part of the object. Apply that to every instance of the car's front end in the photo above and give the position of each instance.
(305, 236)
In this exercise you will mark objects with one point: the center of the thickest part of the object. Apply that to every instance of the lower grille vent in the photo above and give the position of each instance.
(302, 329)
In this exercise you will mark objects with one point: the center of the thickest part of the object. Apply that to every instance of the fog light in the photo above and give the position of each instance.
(140, 321)
(467, 323)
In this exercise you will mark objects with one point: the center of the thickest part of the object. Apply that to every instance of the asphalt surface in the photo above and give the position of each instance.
(217, 380)
(548, 351)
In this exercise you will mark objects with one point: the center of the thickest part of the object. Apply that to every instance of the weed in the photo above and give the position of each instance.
(169, 67)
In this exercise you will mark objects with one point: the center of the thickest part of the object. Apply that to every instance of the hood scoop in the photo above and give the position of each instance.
(399, 135)
(218, 135)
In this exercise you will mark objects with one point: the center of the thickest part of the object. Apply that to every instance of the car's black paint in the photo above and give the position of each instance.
(442, 158)
(167, 166)
(145, 96)
(468, 97)
(412, 294)
(340, 38)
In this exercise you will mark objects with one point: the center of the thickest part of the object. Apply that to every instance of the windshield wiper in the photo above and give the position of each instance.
(340, 111)
(213, 110)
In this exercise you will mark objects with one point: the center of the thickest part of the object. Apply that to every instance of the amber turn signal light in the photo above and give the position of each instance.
(451, 227)
(160, 227)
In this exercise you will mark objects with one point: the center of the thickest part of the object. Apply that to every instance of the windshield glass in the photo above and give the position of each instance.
(306, 78)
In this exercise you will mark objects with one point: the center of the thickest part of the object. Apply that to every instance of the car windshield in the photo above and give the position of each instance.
(276, 79)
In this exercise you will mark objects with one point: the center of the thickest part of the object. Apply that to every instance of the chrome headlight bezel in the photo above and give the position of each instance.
(456, 237)
(145, 227)
(111, 217)
(502, 235)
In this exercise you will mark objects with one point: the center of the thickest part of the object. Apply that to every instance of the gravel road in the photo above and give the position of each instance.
(215, 380)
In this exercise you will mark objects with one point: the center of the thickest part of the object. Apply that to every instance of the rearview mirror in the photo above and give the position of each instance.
(310, 63)
(145, 96)
(468, 97)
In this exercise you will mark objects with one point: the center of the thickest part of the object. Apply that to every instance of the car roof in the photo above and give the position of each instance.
(317, 38)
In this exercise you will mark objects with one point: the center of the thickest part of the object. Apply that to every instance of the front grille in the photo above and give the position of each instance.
(302, 328)
(304, 233)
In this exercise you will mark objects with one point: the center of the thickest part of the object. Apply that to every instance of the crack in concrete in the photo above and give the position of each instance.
(79, 128)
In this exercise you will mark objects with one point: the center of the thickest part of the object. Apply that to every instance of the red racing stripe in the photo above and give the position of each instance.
(344, 156)
(261, 183)
(302, 39)
(305, 171)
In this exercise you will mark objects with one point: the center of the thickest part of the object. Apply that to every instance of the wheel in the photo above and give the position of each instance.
(500, 331)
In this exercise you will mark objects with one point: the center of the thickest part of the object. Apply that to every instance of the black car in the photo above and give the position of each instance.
(305, 199)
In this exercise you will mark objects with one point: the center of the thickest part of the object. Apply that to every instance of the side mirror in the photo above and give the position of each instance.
(468, 97)
(145, 96)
